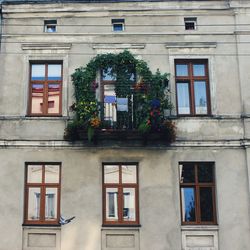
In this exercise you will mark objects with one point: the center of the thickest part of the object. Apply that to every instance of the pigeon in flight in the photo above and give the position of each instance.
(65, 221)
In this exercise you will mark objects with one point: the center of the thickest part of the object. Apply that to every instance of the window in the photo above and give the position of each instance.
(113, 104)
(42, 193)
(120, 194)
(118, 24)
(192, 87)
(50, 26)
(190, 23)
(45, 89)
(197, 188)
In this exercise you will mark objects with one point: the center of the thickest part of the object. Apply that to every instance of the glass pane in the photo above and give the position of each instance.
(37, 72)
(183, 98)
(52, 173)
(37, 99)
(200, 97)
(206, 204)
(53, 98)
(110, 103)
(111, 174)
(34, 174)
(107, 75)
(118, 27)
(129, 174)
(34, 197)
(205, 172)
(187, 174)
(129, 213)
(181, 70)
(54, 72)
(51, 204)
(199, 70)
(111, 204)
(188, 204)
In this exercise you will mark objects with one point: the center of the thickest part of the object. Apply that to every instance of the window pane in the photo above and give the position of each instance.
(188, 204)
(110, 103)
(112, 204)
(187, 174)
(129, 174)
(107, 75)
(129, 204)
(34, 174)
(52, 173)
(199, 70)
(53, 98)
(183, 98)
(37, 99)
(181, 70)
(51, 204)
(200, 97)
(34, 197)
(118, 27)
(37, 72)
(206, 204)
(205, 172)
(111, 174)
(54, 72)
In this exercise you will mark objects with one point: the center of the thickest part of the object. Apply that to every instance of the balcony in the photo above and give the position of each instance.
(128, 105)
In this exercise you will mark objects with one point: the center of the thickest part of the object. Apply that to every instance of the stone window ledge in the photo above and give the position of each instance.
(199, 228)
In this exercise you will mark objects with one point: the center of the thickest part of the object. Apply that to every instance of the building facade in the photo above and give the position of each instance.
(192, 194)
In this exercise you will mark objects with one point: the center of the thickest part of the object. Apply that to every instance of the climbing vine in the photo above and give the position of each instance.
(146, 93)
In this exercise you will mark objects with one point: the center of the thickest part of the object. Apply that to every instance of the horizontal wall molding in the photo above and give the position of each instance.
(118, 46)
(240, 144)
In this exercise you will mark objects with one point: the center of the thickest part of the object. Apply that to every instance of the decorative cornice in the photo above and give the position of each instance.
(46, 46)
(185, 45)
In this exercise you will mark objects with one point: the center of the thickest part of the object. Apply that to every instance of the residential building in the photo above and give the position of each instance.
(190, 194)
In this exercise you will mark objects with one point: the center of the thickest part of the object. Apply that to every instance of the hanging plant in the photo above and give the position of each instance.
(146, 93)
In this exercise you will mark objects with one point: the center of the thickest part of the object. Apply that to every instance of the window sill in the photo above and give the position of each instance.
(121, 226)
(41, 226)
(199, 227)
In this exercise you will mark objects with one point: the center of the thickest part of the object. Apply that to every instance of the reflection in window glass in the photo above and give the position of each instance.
(183, 98)
(111, 174)
(200, 97)
(34, 196)
(34, 174)
(54, 72)
(112, 204)
(37, 99)
(53, 98)
(181, 70)
(187, 173)
(188, 204)
(108, 75)
(129, 204)
(199, 70)
(52, 173)
(51, 204)
(206, 204)
(37, 72)
(129, 174)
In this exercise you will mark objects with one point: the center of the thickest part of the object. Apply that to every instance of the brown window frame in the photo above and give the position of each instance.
(120, 187)
(43, 187)
(45, 82)
(197, 185)
(190, 79)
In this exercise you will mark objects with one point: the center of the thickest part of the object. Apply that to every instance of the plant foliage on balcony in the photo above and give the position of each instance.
(148, 97)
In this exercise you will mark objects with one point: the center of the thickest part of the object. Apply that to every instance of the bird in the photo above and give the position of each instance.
(65, 221)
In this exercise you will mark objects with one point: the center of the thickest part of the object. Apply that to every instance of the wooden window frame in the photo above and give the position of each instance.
(190, 79)
(120, 187)
(43, 187)
(45, 83)
(197, 185)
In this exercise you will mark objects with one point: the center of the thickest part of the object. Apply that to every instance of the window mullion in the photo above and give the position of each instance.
(45, 98)
(192, 101)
